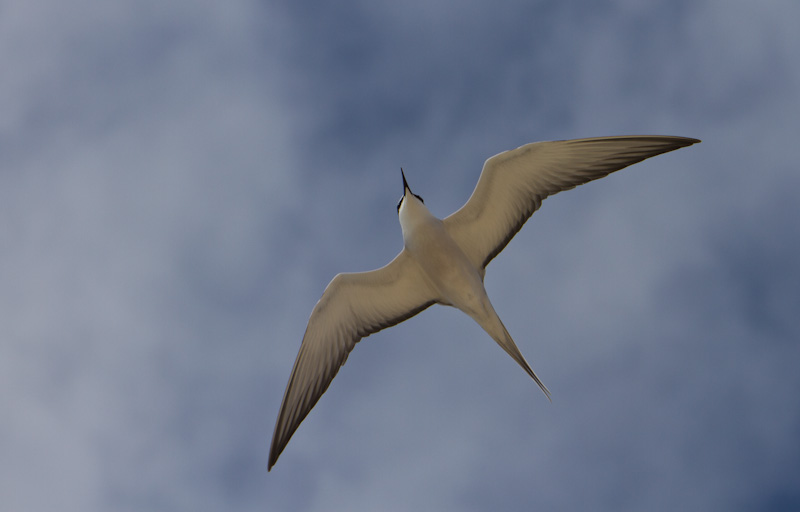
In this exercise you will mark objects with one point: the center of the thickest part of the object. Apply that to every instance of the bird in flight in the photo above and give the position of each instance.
(443, 261)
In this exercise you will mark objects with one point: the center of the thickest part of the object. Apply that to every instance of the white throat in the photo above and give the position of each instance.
(412, 213)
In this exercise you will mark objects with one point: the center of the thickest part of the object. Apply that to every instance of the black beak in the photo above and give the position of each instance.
(405, 183)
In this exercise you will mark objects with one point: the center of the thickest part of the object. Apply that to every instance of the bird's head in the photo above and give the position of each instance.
(404, 200)
(411, 211)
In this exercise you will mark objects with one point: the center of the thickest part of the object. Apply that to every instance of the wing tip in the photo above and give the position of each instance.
(274, 453)
(687, 141)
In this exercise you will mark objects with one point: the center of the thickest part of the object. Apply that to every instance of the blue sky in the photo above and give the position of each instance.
(179, 182)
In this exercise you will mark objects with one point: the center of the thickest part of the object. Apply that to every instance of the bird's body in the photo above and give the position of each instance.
(444, 261)
(448, 270)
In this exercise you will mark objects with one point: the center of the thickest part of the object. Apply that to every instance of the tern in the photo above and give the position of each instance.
(443, 261)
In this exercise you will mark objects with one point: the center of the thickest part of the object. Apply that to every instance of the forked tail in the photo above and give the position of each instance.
(499, 334)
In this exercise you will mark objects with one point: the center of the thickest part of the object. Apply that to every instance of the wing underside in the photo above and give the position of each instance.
(353, 306)
(513, 184)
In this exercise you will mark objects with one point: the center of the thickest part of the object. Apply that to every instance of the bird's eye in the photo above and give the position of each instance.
(420, 199)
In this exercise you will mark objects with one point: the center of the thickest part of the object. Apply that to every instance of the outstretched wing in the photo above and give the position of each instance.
(513, 184)
(353, 306)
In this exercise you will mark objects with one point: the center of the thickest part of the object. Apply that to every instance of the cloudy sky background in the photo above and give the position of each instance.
(180, 180)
